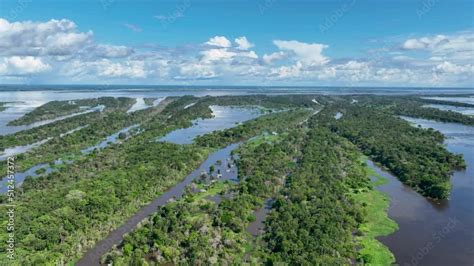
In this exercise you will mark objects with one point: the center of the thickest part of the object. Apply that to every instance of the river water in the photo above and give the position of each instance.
(435, 232)
(224, 117)
(139, 105)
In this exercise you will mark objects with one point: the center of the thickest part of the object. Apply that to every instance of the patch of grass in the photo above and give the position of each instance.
(211, 190)
(379, 180)
(266, 138)
(377, 224)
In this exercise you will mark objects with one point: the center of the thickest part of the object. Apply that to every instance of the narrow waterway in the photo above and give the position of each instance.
(92, 257)
(20, 149)
(5, 129)
(114, 138)
(139, 105)
(435, 232)
(45, 168)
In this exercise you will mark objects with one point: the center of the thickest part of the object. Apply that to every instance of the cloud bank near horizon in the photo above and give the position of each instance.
(55, 51)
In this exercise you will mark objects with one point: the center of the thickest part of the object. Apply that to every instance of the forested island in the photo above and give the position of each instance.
(299, 159)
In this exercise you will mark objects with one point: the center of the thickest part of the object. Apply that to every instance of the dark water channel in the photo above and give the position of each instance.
(435, 232)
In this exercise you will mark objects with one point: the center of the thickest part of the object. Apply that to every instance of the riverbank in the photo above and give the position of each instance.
(377, 223)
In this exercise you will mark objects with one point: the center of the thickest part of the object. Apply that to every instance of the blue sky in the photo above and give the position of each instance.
(270, 42)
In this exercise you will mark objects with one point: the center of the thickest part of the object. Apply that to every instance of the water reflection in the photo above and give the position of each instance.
(21, 102)
(15, 110)
(139, 105)
(20, 177)
(224, 117)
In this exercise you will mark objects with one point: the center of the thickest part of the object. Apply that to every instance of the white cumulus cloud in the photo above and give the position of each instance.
(216, 55)
(307, 53)
(22, 65)
(219, 41)
(243, 43)
(54, 37)
(269, 58)
(424, 42)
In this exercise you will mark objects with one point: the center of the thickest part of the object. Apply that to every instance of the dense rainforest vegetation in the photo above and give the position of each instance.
(82, 202)
(197, 230)
(254, 127)
(312, 175)
(297, 156)
(269, 101)
(416, 156)
(415, 107)
(313, 220)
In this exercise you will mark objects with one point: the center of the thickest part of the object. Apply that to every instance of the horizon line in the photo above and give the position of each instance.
(104, 86)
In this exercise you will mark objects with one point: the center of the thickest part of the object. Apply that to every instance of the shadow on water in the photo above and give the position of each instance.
(435, 232)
